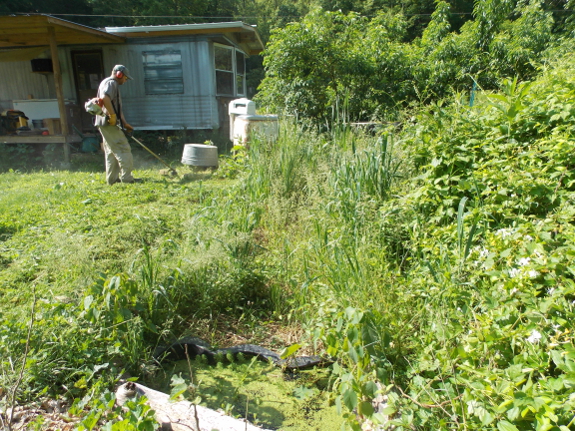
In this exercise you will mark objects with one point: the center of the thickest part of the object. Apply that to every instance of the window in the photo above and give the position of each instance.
(240, 73)
(224, 70)
(230, 68)
(163, 72)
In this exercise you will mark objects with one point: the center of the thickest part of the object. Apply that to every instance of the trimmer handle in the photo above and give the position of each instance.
(127, 132)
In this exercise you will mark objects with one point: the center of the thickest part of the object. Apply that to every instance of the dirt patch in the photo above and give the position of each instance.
(50, 415)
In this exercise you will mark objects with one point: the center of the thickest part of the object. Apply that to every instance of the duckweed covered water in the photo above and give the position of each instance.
(272, 398)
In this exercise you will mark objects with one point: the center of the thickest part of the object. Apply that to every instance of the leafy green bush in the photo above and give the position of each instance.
(486, 344)
(344, 67)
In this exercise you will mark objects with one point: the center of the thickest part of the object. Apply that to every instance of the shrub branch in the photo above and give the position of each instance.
(24, 359)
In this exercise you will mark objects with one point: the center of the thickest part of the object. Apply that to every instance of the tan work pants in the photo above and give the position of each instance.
(119, 161)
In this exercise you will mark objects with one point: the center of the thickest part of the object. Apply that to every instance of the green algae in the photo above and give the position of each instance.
(262, 392)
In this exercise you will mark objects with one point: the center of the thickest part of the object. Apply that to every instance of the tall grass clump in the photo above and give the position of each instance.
(321, 227)
(484, 298)
(437, 270)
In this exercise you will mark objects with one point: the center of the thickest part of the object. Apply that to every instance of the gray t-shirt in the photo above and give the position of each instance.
(109, 86)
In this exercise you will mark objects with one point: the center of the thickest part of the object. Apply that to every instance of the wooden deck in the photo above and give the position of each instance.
(40, 139)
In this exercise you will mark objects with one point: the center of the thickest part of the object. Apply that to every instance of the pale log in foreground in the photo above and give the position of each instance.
(181, 415)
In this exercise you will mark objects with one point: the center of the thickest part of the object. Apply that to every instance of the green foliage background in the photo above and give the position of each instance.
(368, 67)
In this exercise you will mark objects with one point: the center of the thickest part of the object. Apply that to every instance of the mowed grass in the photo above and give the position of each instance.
(60, 229)
(93, 277)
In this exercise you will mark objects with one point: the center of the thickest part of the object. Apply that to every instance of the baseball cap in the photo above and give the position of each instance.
(123, 69)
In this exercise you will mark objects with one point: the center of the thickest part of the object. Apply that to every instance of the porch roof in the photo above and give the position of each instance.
(23, 31)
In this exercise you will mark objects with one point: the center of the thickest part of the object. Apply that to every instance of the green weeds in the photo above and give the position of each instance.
(433, 264)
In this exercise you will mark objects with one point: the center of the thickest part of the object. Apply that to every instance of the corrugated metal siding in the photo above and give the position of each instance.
(194, 109)
(18, 81)
(190, 112)
(197, 108)
(68, 86)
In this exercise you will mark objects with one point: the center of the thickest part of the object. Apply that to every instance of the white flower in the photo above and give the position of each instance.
(550, 291)
(483, 252)
(504, 232)
(538, 254)
(524, 261)
(534, 337)
(528, 238)
(533, 274)
(472, 405)
(513, 291)
(514, 272)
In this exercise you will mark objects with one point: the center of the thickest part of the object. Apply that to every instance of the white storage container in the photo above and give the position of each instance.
(38, 109)
(264, 126)
(242, 107)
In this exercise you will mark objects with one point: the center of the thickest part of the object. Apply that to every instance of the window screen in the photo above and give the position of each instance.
(223, 57)
(230, 67)
(163, 72)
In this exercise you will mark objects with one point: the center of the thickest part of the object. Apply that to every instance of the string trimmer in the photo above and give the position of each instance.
(171, 170)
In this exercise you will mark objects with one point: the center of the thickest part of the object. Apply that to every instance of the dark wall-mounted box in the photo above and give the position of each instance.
(42, 65)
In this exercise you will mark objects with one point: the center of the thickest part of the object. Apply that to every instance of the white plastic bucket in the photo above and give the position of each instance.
(200, 155)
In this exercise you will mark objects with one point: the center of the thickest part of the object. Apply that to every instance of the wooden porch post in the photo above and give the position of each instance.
(59, 90)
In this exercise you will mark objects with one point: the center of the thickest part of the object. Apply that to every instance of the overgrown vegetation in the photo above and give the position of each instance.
(433, 261)
(431, 258)
(449, 266)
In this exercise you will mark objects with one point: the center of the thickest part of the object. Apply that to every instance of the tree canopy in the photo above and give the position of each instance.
(371, 65)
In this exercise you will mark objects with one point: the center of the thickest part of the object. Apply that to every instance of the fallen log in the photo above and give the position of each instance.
(182, 415)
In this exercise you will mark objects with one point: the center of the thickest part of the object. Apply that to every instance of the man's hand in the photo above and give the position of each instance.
(112, 120)
(128, 127)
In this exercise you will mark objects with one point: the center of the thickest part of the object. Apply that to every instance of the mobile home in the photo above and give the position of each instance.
(184, 75)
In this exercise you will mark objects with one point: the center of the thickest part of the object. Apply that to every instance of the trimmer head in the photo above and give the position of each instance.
(168, 172)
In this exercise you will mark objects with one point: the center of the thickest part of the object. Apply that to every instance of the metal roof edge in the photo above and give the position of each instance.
(180, 27)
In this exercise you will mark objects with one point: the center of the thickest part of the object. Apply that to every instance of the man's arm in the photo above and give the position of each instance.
(109, 110)
(108, 105)
(125, 123)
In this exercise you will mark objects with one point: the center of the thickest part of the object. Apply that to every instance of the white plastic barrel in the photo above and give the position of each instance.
(239, 107)
(200, 155)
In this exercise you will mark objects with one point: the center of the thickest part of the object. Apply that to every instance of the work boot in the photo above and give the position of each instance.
(135, 180)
